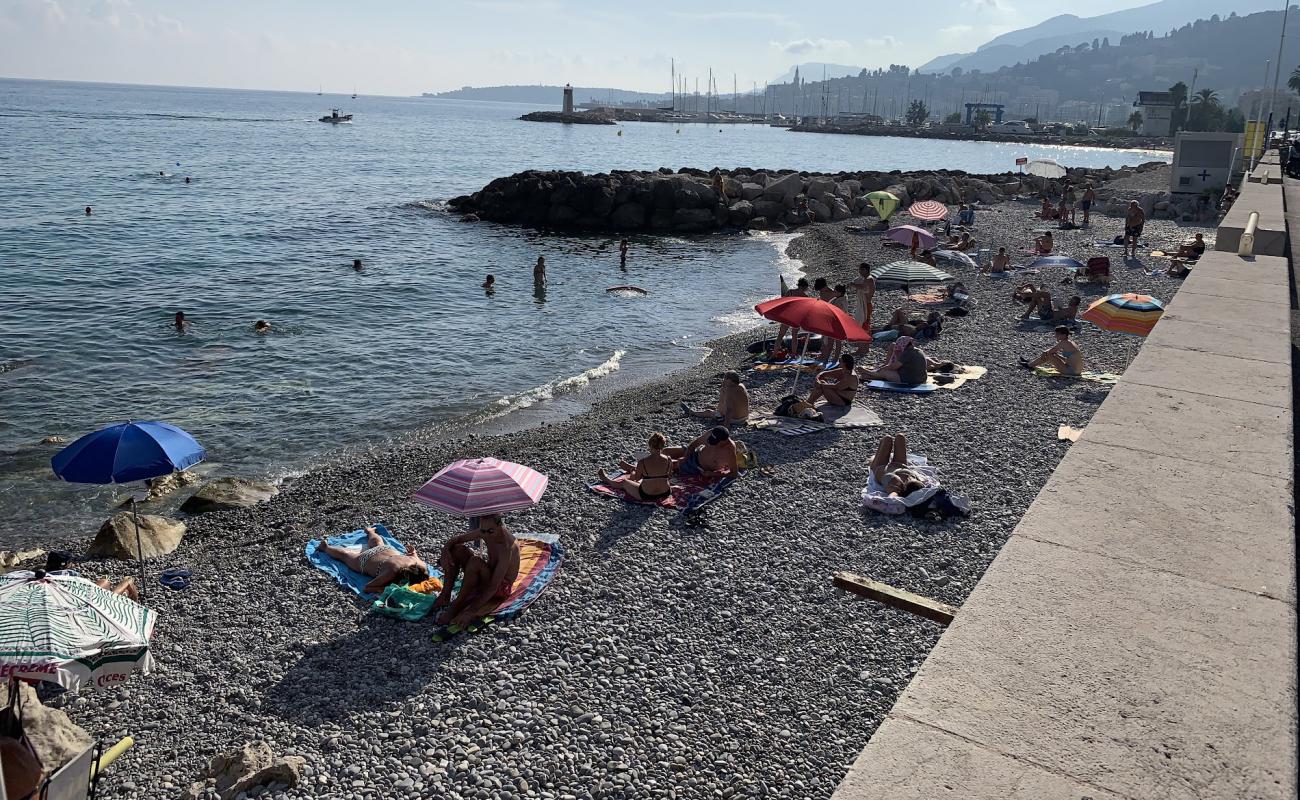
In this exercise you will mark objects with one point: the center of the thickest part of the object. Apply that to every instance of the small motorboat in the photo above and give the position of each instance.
(335, 117)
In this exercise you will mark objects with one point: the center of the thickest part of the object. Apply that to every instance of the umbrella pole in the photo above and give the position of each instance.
(139, 548)
(798, 370)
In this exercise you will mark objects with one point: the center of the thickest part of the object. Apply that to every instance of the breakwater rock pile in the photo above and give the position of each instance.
(584, 118)
(967, 134)
(695, 201)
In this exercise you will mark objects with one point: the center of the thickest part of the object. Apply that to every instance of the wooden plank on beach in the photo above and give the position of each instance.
(933, 610)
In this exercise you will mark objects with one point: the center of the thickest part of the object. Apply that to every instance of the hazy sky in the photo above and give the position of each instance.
(405, 47)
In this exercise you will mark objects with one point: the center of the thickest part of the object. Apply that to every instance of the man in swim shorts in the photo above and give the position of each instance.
(379, 561)
(1134, 220)
(712, 455)
(486, 578)
(733, 402)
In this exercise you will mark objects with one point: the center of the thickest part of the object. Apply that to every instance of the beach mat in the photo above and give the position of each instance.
(346, 577)
(540, 557)
(843, 417)
(683, 488)
(889, 386)
(805, 364)
(928, 299)
(1088, 375)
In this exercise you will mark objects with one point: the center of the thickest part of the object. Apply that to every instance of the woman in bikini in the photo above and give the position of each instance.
(836, 386)
(648, 479)
(890, 470)
(379, 561)
(1064, 356)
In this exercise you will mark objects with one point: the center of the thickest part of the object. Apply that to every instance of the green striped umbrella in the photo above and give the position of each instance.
(908, 273)
(66, 630)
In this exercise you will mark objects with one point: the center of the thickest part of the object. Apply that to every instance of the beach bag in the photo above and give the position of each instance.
(794, 406)
(941, 504)
(956, 311)
(1118, 240)
(400, 602)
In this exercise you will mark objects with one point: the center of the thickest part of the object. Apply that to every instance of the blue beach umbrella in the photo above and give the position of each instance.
(126, 452)
(1056, 261)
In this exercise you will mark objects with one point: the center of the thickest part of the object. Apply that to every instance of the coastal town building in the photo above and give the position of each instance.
(1157, 112)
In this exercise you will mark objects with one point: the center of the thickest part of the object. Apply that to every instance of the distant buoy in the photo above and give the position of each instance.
(679, 130)
(627, 289)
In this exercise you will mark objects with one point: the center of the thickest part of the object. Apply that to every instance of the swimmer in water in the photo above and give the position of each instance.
(490, 285)
(162, 174)
(181, 323)
(88, 211)
(356, 264)
(187, 178)
(539, 270)
(262, 327)
(622, 251)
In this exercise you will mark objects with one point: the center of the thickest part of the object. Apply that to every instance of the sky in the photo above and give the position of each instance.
(405, 47)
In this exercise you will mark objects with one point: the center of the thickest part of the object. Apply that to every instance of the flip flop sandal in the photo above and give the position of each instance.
(177, 579)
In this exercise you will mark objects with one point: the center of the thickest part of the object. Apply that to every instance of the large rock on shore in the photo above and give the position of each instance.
(688, 201)
(248, 769)
(54, 737)
(227, 494)
(116, 537)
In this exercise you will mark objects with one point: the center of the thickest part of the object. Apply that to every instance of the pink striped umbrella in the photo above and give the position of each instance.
(928, 209)
(479, 486)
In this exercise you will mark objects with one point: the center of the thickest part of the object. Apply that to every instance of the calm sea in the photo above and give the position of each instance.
(277, 207)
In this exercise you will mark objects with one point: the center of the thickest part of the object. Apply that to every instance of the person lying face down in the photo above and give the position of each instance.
(486, 578)
(711, 455)
(377, 560)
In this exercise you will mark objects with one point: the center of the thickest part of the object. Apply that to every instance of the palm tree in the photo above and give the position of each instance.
(1206, 97)
(1135, 120)
(1293, 83)
(1205, 109)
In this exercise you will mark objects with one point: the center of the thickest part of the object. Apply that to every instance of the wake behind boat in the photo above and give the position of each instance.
(335, 117)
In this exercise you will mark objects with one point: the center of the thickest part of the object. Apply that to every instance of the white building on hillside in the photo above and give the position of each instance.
(1157, 112)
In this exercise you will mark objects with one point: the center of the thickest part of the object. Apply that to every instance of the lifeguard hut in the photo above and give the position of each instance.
(996, 108)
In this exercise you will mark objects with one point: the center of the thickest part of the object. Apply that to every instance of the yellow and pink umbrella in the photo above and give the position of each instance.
(1134, 314)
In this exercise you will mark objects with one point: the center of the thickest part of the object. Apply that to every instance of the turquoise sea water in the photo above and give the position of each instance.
(278, 206)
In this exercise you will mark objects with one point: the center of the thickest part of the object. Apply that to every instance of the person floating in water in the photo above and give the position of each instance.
(539, 270)
(262, 327)
(187, 178)
(622, 251)
(490, 285)
(88, 211)
(181, 323)
(162, 174)
(356, 264)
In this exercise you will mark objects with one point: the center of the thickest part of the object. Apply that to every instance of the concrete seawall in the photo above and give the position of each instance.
(1136, 636)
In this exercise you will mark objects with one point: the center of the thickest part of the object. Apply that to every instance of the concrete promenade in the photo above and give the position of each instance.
(1136, 636)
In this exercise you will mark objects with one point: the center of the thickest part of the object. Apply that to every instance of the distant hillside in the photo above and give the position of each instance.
(813, 71)
(1026, 44)
(546, 96)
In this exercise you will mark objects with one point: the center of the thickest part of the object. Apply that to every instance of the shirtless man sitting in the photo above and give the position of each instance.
(733, 402)
(836, 386)
(712, 455)
(1043, 244)
(378, 561)
(485, 580)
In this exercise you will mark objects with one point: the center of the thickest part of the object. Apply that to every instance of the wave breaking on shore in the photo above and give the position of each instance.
(547, 391)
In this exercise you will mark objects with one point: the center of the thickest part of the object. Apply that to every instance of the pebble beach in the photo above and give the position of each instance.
(712, 660)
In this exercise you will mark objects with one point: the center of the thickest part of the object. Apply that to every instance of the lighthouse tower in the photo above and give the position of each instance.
(568, 99)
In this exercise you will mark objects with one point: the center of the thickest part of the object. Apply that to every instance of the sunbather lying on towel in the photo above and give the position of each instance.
(712, 455)
(1065, 356)
(379, 561)
(733, 402)
(647, 480)
(890, 468)
(485, 580)
(836, 386)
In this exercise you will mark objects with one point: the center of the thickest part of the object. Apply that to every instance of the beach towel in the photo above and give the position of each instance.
(929, 299)
(540, 557)
(1088, 375)
(843, 417)
(889, 386)
(346, 577)
(805, 364)
(683, 488)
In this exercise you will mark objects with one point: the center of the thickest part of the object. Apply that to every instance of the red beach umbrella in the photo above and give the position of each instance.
(478, 486)
(928, 209)
(815, 316)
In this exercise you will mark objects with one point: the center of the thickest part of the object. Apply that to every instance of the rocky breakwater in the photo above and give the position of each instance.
(695, 201)
(583, 118)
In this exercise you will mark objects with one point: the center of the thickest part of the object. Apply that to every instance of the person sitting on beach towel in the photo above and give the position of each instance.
(1024, 293)
(1000, 262)
(962, 242)
(485, 579)
(1064, 356)
(836, 386)
(1041, 302)
(712, 455)
(1043, 244)
(733, 402)
(647, 480)
(906, 365)
(378, 561)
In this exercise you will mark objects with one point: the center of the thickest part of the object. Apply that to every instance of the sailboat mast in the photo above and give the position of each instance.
(673, 67)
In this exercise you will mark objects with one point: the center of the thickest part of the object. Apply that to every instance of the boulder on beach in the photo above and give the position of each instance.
(10, 559)
(245, 770)
(116, 537)
(227, 494)
(55, 738)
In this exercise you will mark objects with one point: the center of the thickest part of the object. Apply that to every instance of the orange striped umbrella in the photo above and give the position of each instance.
(1134, 314)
